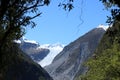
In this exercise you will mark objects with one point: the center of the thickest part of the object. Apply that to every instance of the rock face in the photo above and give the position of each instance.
(32, 49)
(42, 54)
(69, 62)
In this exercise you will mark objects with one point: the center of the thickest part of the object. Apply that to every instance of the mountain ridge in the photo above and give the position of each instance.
(42, 54)
(69, 61)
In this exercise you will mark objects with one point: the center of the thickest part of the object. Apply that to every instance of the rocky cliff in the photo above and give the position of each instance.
(69, 63)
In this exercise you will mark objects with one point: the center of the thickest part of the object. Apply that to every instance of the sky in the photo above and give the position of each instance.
(56, 25)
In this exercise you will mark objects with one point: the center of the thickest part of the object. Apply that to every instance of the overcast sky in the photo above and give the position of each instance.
(58, 26)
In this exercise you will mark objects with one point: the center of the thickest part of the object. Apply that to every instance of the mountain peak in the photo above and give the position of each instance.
(105, 27)
(23, 39)
(70, 61)
(52, 45)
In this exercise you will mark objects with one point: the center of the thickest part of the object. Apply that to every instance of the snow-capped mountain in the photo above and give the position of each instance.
(54, 50)
(70, 61)
(42, 54)
(103, 27)
(23, 39)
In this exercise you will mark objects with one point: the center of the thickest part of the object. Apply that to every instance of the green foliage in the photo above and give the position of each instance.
(105, 64)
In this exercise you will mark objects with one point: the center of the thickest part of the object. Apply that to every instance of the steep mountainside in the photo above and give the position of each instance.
(31, 48)
(70, 61)
(105, 64)
(15, 65)
(42, 54)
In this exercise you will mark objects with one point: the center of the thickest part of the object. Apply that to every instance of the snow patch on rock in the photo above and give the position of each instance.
(54, 50)
(105, 27)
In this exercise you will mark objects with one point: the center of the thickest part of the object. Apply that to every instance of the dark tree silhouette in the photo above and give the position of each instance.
(114, 6)
(14, 18)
